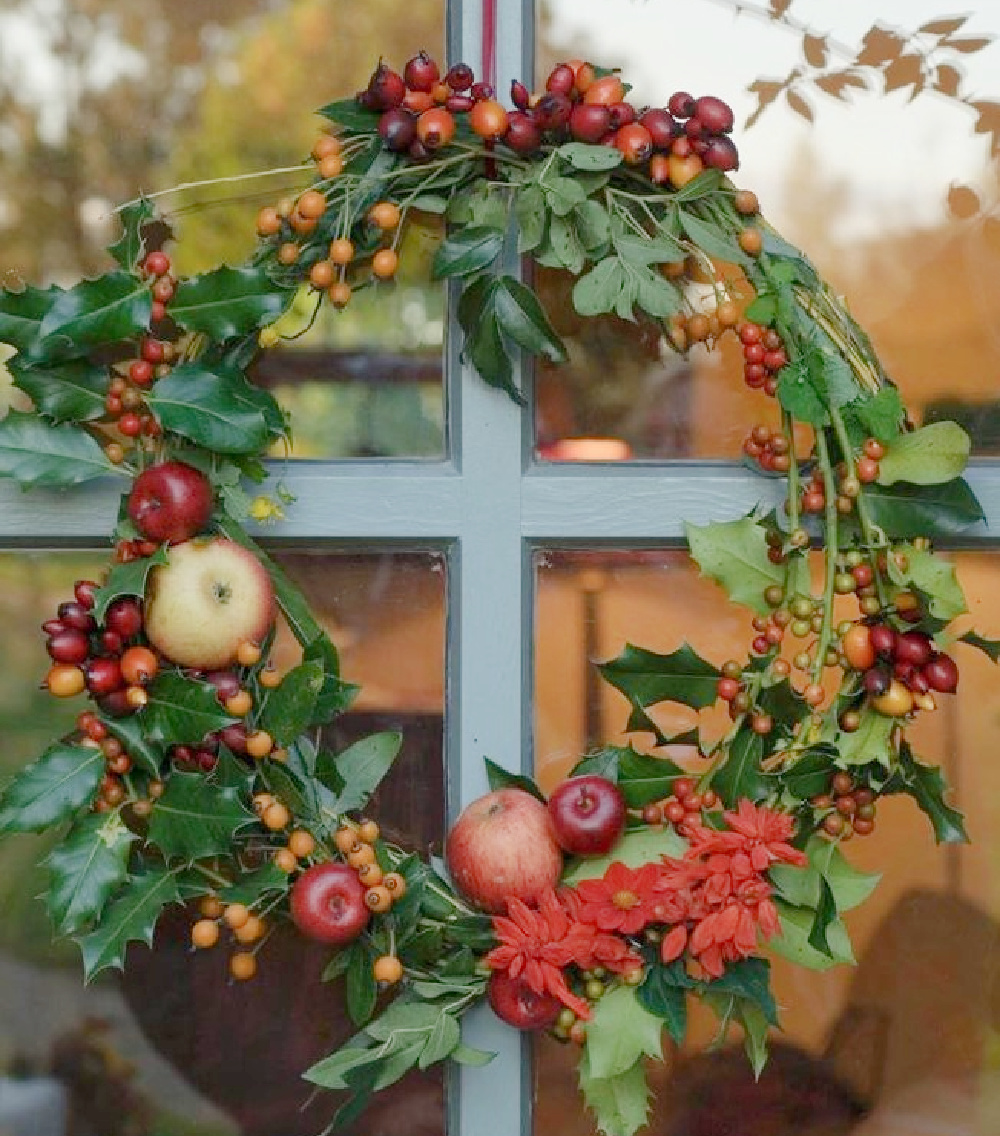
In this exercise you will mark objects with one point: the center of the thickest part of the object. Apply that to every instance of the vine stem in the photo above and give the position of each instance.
(214, 181)
(830, 553)
(794, 485)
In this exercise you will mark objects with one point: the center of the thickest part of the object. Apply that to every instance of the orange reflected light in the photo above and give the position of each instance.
(586, 449)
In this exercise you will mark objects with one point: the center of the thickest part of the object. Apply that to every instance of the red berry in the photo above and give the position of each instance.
(421, 72)
(151, 350)
(681, 104)
(561, 79)
(124, 617)
(157, 263)
(661, 126)
(460, 77)
(69, 647)
(715, 115)
(589, 122)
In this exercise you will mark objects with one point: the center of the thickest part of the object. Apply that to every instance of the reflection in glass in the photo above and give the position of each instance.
(904, 1038)
(214, 1058)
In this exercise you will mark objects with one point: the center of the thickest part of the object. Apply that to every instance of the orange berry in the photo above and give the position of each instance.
(269, 677)
(268, 221)
(261, 802)
(312, 204)
(210, 906)
(243, 965)
(301, 225)
(301, 843)
(378, 898)
(64, 680)
(235, 915)
(276, 817)
(248, 653)
(285, 860)
(239, 704)
(384, 215)
(384, 263)
(259, 744)
(252, 930)
(751, 241)
(204, 934)
(488, 119)
(370, 874)
(435, 127)
(345, 839)
(288, 253)
(607, 90)
(360, 855)
(368, 831)
(139, 665)
(341, 251)
(114, 453)
(330, 166)
(136, 696)
(387, 969)
(325, 145)
(395, 884)
(339, 293)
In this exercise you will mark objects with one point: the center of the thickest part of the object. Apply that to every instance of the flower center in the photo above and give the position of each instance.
(625, 899)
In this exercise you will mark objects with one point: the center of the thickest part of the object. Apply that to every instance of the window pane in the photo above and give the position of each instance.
(905, 1036)
(212, 1055)
(912, 241)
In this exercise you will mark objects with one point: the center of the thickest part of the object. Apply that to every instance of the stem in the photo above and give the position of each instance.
(214, 181)
(794, 485)
(830, 550)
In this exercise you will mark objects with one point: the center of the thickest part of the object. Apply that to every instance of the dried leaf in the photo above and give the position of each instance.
(798, 104)
(947, 80)
(836, 82)
(766, 90)
(815, 50)
(963, 202)
(967, 46)
(943, 27)
(989, 123)
(779, 8)
(904, 71)
(879, 46)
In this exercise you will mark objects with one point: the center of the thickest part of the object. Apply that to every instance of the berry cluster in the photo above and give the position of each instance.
(771, 449)
(900, 670)
(847, 809)
(246, 929)
(683, 806)
(763, 353)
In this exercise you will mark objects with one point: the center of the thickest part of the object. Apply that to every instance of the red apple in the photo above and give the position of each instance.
(588, 815)
(514, 1002)
(502, 846)
(328, 903)
(171, 502)
(209, 597)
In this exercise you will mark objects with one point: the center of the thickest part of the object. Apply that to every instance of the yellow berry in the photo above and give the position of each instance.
(345, 839)
(259, 743)
(239, 704)
(285, 860)
(384, 263)
(204, 934)
(370, 874)
(368, 831)
(395, 884)
(378, 898)
(252, 930)
(269, 677)
(387, 969)
(301, 843)
(268, 336)
(210, 906)
(235, 915)
(243, 965)
(248, 653)
(363, 854)
(276, 817)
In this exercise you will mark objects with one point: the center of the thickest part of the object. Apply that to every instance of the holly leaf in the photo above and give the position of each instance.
(130, 247)
(620, 1104)
(288, 710)
(361, 767)
(620, 1032)
(663, 992)
(644, 778)
(21, 315)
(210, 409)
(227, 302)
(734, 554)
(131, 732)
(811, 773)
(909, 511)
(335, 695)
(932, 575)
(195, 818)
(646, 678)
(107, 309)
(50, 790)
(36, 453)
(798, 395)
(869, 742)
(989, 647)
(583, 156)
(127, 579)
(749, 979)
(130, 917)
(251, 888)
(68, 392)
(932, 455)
(740, 774)
(467, 251)
(755, 1026)
(637, 847)
(522, 318)
(793, 942)
(499, 778)
(181, 711)
(927, 786)
(85, 869)
(849, 886)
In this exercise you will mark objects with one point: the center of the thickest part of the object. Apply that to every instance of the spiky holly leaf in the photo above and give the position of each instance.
(620, 1032)
(21, 314)
(869, 742)
(755, 1026)
(361, 768)
(227, 302)
(620, 1104)
(67, 392)
(849, 886)
(927, 786)
(734, 554)
(740, 774)
(335, 695)
(37, 453)
(144, 752)
(879, 416)
(646, 678)
(989, 647)
(130, 247)
(128, 579)
(195, 818)
(289, 707)
(130, 917)
(252, 887)
(638, 847)
(932, 455)
(644, 778)
(50, 790)
(932, 575)
(749, 979)
(181, 711)
(107, 309)
(85, 869)
(811, 773)
(210, 409)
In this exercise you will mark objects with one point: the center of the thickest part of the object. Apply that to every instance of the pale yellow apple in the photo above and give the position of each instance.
(211, 596)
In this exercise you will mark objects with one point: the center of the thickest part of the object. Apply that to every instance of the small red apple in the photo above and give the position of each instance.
(171, 502)
(209, 597)
(588, 815)
(502, 846)
(328, 903)
(513, 1001)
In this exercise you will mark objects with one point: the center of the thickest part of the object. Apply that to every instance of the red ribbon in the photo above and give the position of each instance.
(489, 45)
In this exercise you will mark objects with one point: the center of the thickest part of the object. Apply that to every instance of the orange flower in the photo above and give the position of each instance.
(761, 833)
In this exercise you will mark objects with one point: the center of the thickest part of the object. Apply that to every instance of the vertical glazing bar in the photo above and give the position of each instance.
(488, 697)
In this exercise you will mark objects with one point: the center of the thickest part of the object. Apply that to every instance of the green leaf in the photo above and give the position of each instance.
(663, 992)
(763, 309)
(869, 742)
(989, 647)
(740, 775)
(597, 290)
(643, 251)
(798, 395)
(563, 194)
(811, 773)
(361, 989)
(181, 711)
(849, 886)
(932, 455)
(50, 790)
(335, 695)
(210, 409)
(484, 349)
(130, 247)
(657, 296)
(715, 242)
(21, 315)
(522, 317)
(532, 218)
(469, 1055)
(881, 415)
(130, 916)
(646, 678)
(793, 942)
(933, 576)
(127, 579)
(754, 1022)
(443, 1039)
(253, 886)
(826, 912)
(195, 818)
(330, 1072)
(68, 392)
(584, 156)
(644, 778)
(703, 185)
(130, 731)
(466, 251)
(593, 225)
(289, 708)
(499, 778)
(620, 1104)
(634, 849)
(85, 869)
(909, 511)
(107, 309)
(565, 244)
(838, 378)
(362, 767)
(927, 786)
(620, 1032)
(227, 302)
(749, 978)
(36, 453)
(351, 115)
(734, 554)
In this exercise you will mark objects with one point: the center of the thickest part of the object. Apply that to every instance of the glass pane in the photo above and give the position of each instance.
(211, 1057)
(903, 1041)
(911, 241)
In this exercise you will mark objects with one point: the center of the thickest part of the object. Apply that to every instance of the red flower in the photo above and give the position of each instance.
(624, 900)
(761, 833)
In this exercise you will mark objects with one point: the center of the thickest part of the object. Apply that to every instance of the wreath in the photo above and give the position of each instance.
(193, 777)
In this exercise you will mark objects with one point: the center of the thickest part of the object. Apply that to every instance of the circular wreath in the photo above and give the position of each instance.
(192, 778)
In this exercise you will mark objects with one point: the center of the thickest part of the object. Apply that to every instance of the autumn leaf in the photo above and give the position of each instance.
(947, 80)
(942, 27)
(904, 71)
(967, 46)
(798, 104)
(836, 82)
(879, 46)
(767, 91)
(815, 50)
